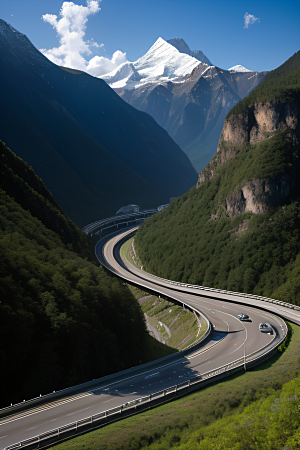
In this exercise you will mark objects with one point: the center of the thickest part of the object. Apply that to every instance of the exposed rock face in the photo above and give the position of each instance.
(257, 195)
(259, 123)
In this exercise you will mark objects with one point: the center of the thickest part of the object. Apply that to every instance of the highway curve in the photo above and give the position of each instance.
(229, 341)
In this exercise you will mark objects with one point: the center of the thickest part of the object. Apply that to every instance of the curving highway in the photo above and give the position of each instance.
(230, 340)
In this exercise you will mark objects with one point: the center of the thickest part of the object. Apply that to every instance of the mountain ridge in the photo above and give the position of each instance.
(192, 106)
(94, 151)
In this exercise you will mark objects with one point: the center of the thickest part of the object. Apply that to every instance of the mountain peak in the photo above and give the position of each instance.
(9, 36)
(9, 31)
(182, 47)
(180, 44)
(239, 68)
(162, 62)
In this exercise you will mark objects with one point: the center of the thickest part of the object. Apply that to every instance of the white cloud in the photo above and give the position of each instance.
(70, 27)
(94, 43)
(249, 19)
(99, 65)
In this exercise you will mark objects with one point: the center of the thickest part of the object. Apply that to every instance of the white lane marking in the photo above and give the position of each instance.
(45, 408)
(108, 400)
(227, 322)
(152, 375)
(194, 355)
(77, 411)
(3, 436)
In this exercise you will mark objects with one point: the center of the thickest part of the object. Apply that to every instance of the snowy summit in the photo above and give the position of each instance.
(239, 69)
(162, 62)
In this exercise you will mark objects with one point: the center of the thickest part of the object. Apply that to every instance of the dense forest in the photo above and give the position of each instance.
(195, 240)
(57, 307)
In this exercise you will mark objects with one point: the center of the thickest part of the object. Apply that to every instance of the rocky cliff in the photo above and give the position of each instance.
(253, 126)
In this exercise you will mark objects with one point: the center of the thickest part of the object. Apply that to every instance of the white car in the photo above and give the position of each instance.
(243, 317)
(265, 328)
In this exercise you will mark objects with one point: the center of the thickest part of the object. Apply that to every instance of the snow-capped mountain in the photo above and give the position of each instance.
(238, 68)
(164, 61)
(187, 95)
(182, 46)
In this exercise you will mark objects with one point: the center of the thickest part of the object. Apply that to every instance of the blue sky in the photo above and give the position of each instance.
(132, 26)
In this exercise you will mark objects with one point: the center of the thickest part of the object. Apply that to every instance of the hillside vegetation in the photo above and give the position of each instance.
(57, 307)
(212, 236)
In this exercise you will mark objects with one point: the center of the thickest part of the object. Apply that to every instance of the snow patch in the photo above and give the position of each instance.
(239, 68)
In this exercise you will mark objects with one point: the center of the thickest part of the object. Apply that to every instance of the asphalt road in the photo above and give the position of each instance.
(114, 263)
(230, 340)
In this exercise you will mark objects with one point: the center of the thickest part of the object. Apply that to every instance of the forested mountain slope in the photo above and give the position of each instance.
(93, 150)
(240, 229)
(57, 308)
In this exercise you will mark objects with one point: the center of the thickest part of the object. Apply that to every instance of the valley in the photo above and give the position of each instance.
(149, 228)
(76, 143)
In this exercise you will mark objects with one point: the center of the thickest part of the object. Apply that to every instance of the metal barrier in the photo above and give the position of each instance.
(91, 227)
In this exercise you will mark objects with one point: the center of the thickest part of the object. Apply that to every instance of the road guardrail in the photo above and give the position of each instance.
(114, 221)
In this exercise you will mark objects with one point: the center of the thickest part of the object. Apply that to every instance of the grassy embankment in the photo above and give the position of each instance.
(182, 324)
(128, 254)
(251, 411)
